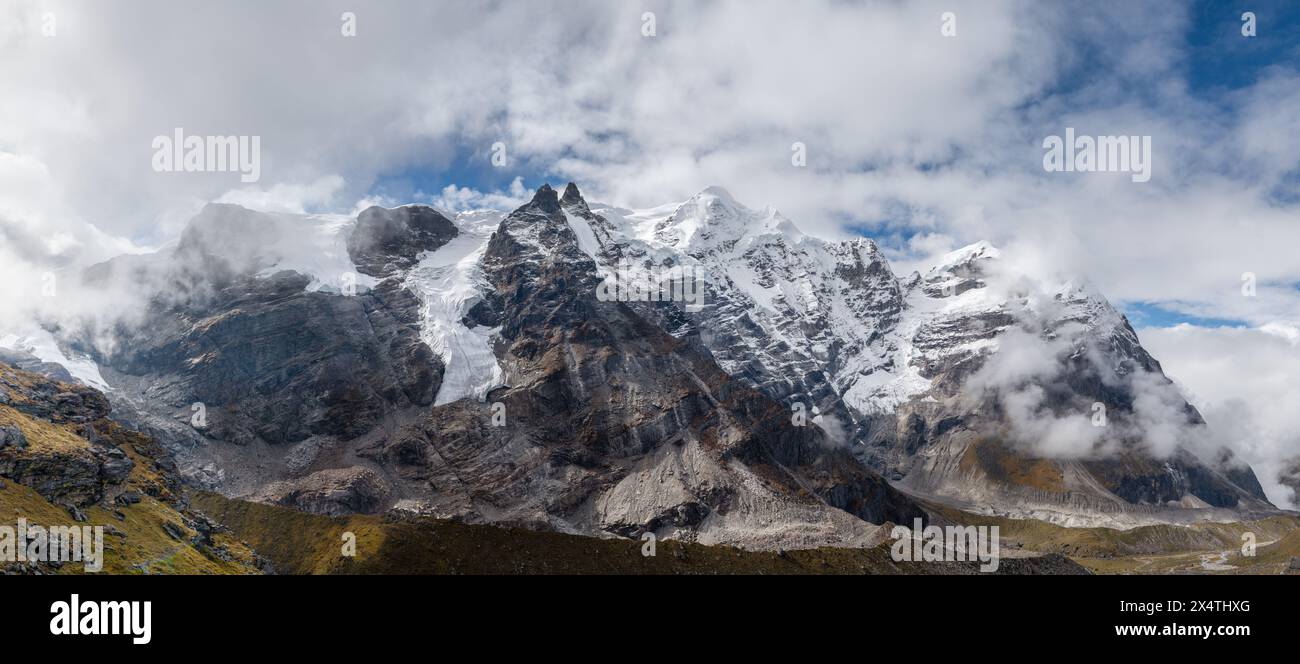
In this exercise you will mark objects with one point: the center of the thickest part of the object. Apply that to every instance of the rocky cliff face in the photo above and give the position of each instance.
(599, 420)
(476, 367)
(41, 440)
(386, 241)
(257, 358)
(64, 463)
(901, 367)
(606, 423)
(1091, 432)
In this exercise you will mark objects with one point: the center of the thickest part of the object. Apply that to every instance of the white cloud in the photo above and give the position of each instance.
(283, 197)
(1244, 383)
(571, 87)
(453, 198)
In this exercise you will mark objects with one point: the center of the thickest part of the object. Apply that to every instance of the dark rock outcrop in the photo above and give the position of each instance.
(388, 240)
(12, 435)
(273, 362)
(55, 439)
(334, 492)
(614, 424)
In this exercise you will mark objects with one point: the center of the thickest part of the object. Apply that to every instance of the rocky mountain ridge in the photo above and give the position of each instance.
(65, 464)
(900, 367)
(464, 366)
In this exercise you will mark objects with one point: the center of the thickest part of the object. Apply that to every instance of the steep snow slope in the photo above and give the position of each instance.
(886, 364)
(449, 282)
(45, 347)
(791, 311)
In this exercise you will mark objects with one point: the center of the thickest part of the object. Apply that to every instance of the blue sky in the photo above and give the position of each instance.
(1217, 59)
(1213, 62)
(1146, 314)
(922, 142)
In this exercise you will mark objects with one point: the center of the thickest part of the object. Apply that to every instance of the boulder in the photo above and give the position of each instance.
(387, 240)
(11, 435)
(334, 492)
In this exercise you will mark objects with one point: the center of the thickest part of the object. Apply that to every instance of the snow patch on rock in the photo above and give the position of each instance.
(315, 245)
(449, 282)
(41, 343)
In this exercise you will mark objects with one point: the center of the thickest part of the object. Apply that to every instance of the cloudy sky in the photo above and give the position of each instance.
(923, 141)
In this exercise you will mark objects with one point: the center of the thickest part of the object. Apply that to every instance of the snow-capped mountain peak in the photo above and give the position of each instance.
(829, 324)
(965, 257)
(465, 305)
(713, 220)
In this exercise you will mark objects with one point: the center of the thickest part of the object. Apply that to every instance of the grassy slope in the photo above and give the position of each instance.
(1273, 558)
(300, 543)
(143, 546)
(140, 544)
(1147, 549)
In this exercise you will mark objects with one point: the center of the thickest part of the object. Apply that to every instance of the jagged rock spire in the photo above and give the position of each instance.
(573, 198)
(571, 194)
(546, 200)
